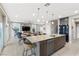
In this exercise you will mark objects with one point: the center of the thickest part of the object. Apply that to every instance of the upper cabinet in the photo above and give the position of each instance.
(64, 21)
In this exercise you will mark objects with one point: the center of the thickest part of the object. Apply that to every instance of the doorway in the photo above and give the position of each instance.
(14, 28)
(77, 30)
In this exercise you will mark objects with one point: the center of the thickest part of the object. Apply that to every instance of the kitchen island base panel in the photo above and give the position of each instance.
(50, 46)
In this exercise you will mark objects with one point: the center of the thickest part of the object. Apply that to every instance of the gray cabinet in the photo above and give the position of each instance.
(48, 47)
(59, 42)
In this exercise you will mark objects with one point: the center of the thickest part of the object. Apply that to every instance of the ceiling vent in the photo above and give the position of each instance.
(47, 4)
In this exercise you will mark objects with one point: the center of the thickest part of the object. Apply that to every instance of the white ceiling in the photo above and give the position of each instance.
(24, 11)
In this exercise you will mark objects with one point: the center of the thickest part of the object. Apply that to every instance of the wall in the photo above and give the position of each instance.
(43, 28)
(38, 28)
(72, 27)
(33, 27)
(54, 27)
(6, 25)
(48, 28)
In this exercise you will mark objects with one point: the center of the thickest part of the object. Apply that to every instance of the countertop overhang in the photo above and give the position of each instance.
(38, 38)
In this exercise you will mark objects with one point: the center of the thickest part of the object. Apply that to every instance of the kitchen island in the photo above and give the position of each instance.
(47, 44)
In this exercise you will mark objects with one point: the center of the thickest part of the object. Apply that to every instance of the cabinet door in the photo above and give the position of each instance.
(58, 43)
(43, 48)
(47, 47)
(50, 46)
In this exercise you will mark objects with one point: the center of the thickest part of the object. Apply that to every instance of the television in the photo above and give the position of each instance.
(25, 28)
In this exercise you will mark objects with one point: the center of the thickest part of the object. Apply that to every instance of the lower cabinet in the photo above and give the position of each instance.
(43, 48)
(50, 46)
(59, 42)
(46, 47)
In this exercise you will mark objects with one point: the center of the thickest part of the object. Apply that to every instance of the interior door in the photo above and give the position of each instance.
(77, 27)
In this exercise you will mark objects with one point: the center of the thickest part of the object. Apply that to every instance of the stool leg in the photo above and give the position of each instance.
(25, 52)
(33, 51)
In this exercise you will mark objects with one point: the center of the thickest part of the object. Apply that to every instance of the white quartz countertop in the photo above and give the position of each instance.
(38, 38)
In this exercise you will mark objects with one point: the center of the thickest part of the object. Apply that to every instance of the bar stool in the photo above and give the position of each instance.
(18, 34)
(28, 46)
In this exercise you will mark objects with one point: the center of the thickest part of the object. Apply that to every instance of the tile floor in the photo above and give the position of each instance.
(16, 49)
(69, 50)
(13, 49)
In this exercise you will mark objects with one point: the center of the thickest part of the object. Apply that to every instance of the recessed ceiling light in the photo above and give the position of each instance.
(47, 4)
(76, 11)
(46, 21)
(59, 16)
(16, 16)
(33, 14)
(52, 22)
(42, 16)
